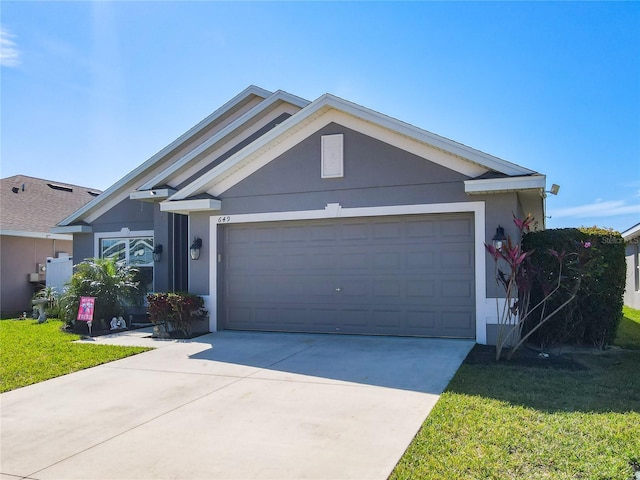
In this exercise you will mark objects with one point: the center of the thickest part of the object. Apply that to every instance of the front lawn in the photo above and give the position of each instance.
(628, 335)
(32, 353)
(508, 421)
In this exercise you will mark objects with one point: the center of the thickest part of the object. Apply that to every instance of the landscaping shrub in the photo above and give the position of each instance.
(596, 312)
(179, 309)
(113, 286)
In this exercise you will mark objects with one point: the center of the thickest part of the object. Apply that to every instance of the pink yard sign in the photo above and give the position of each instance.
(85, 310)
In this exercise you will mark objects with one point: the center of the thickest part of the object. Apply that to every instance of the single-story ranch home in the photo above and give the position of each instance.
(324, 216)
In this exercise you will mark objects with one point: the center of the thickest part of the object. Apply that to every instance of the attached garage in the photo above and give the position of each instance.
(386, 275)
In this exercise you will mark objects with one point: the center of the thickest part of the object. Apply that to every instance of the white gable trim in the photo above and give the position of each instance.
(116, 188)
(152, 195)
(254, 157)
(328, 108)
(502, 185)
(262, 107)
(187, 206)
(484, 308)
(632, 232)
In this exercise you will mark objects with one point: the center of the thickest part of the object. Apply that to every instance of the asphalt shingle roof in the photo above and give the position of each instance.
(29, 204)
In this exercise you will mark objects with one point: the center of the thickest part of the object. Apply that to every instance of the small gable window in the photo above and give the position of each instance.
(332, 156)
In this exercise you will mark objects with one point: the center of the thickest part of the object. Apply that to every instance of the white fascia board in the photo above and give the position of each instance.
(502, 185)
(199, 185)
(327, 102)
(241, 165)
(631, 232)
(471, 154)
(43, 235)
(279, 96)
(116, 187)
(152, 195)
(188, 206)
(70, 229)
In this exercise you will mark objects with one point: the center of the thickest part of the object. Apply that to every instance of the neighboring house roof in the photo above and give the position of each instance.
(191, 172)
(32, 206)
(632, 232)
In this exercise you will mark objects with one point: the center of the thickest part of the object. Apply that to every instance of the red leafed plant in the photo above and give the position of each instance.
(515, 273)
(178, 309)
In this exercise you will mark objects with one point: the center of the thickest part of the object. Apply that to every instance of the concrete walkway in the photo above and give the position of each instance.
(232, 405)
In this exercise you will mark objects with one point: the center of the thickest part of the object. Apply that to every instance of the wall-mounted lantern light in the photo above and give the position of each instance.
(499, 238)
(194, 250)
(157, 253)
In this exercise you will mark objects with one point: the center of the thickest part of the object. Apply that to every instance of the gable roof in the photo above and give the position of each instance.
(458, 156)
(157, 178)
(631, 233)
(31, 206)
(128, 182)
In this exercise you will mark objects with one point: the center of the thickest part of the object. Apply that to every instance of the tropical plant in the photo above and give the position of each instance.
(516, 274)
(113, 286)
(179, 309)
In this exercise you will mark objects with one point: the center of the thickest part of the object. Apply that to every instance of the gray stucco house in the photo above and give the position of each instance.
(632, 250)
(319, 216)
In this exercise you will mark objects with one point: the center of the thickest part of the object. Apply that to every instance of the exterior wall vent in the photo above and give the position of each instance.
(332, 156)
(55, 186)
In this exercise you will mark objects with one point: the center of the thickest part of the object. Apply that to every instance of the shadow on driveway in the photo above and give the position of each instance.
(417, 364)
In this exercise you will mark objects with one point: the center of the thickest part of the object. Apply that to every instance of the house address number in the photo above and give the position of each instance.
(225, 219)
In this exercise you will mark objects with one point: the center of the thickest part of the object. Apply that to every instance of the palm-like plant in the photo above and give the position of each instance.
(112, 285)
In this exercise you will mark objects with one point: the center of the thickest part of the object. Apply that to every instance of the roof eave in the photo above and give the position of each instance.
(78, 214)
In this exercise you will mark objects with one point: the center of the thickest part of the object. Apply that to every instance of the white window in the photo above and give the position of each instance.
(130, 248)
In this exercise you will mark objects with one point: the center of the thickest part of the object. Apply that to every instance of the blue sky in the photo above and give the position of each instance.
(91, 90)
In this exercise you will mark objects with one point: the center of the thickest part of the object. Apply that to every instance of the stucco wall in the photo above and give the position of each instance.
(20, 256)
(632, 289)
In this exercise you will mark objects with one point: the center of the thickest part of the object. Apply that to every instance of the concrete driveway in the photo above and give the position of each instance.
(232, 405)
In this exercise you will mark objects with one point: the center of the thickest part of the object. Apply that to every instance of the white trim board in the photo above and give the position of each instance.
(41, 235)
(152, 162)
(123, 233)
(335, 210)
(261, 152)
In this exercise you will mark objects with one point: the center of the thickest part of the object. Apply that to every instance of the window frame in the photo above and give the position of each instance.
(126, 234)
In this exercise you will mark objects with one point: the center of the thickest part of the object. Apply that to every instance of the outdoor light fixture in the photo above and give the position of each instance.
(499, 238)
(555, 188)
(194, 250)
(157, 252)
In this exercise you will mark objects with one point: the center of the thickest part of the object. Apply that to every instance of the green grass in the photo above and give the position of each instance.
(512, 422)
(628, 335)
(32, 352)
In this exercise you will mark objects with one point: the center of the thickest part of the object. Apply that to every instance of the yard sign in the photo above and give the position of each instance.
(85, 310)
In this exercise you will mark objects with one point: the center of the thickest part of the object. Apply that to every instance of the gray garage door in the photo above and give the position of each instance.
(401, 275)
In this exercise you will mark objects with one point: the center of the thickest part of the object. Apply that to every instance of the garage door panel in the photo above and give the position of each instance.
(455, 322)
(408, 275)
(356, 232)
(458, 228)
(387, 321)
(354, 262)
(422, 229)
(420, 260)
(421, 320)
(354, 320)
(421, 289)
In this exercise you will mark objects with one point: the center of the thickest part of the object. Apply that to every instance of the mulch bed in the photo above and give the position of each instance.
(525, 357)
(177, 335)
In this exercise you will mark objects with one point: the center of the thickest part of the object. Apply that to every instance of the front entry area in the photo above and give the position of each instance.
(408, 275)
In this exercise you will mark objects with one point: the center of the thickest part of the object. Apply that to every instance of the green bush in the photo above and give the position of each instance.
(179, 309)
(595, 315)
(112, 285)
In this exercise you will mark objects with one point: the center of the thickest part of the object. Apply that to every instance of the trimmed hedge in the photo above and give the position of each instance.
(595, 314)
